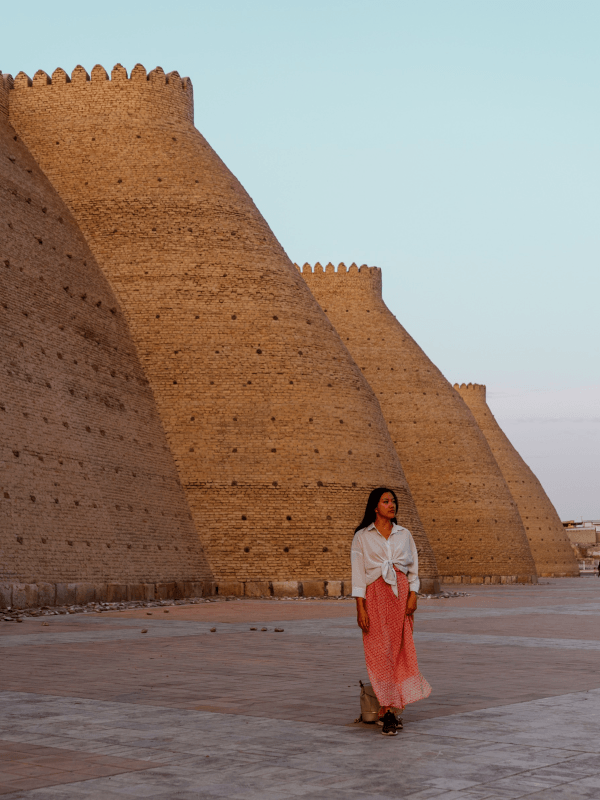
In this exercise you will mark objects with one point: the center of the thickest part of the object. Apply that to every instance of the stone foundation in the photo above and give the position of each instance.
(556, 575)
(32, 595)
(488, 579)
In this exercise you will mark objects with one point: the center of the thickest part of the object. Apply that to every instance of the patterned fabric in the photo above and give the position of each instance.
(389, 648)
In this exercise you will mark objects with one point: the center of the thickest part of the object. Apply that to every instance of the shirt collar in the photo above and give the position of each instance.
(395, 528)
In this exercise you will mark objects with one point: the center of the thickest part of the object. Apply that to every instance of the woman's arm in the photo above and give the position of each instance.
(359, 583)
(357, 560)
(413, 579)
(411, 605)
(361, 614)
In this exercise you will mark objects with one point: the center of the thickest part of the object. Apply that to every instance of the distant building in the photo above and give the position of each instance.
(585, 532)
(585, 541)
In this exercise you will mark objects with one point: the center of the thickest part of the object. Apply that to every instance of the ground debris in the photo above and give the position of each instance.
(443, 595)
(11, 614)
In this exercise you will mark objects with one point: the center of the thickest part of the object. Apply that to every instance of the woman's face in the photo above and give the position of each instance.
(386, 507)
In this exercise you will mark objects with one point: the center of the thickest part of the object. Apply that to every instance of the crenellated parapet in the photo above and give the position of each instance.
(364, 281)
(98, 91)
(6, 84)
(472, 389)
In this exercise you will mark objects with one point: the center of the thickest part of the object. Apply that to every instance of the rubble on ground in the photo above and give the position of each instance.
(16, 615)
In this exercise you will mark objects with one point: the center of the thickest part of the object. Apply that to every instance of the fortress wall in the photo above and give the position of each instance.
(90, 501)
(277, 436)
(549, 543)
(462, 498)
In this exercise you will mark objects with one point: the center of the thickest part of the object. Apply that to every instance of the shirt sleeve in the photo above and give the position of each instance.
(359, 578)
(413, 572)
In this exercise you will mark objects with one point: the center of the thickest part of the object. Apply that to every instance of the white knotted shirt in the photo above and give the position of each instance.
(373, 556)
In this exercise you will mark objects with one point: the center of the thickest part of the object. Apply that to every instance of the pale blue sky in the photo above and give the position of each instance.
(453, 143)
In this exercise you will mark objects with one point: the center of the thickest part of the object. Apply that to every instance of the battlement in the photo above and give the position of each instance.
(6, 84)
(100, 81)
(367, 278)
(473, 388)
(341, 269)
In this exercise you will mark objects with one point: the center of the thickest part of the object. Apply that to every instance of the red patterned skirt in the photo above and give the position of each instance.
(389, 648)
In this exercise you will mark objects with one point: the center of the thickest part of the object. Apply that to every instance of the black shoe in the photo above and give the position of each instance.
(399, 725)
(390, 724)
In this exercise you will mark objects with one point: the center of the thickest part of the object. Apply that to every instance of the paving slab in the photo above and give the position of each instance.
(91, 707)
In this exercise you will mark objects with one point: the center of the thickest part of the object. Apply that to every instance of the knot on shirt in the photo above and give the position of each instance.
(388, 573)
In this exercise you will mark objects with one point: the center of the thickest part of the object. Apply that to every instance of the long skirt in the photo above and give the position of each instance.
(389, 648)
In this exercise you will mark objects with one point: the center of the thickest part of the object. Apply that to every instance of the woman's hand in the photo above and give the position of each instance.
(411, 605)
(361, 615)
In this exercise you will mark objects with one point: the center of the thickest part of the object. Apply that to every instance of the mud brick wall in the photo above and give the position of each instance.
(462, 498)
(549, 543)
(276, 434)
(89, 492)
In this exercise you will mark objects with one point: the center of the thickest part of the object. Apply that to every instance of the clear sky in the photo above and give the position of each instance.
(453, 143)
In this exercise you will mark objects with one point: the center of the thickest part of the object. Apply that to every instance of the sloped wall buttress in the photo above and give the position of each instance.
(89, 491)
(462, 498)
(277, 436)
(550, 546)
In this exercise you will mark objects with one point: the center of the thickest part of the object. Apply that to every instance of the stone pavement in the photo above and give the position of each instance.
(91, 707)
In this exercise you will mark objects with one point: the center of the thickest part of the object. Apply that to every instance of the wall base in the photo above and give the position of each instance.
(430, 586)
(558, 574)
(488, 579)
(32, 595)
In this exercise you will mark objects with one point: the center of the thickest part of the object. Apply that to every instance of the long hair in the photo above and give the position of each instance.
(372, 504)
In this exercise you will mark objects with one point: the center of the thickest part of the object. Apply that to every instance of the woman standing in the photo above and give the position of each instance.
(385, 582)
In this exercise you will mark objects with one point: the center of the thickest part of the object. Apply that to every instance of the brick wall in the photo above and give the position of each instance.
(6, 84)
(89, 492)
(276, 434)
(550, 546)
(462, 498)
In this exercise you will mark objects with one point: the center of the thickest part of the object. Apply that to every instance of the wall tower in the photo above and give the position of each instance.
(550, 547)
(258, 396)
(469, 515)
(91, 506)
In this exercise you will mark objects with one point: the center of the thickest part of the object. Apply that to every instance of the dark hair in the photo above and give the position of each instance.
(372, 504)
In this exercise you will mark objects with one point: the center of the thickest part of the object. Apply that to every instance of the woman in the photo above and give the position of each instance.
(385, 582)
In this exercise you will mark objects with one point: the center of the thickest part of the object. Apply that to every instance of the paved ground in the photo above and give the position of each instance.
(91, 707)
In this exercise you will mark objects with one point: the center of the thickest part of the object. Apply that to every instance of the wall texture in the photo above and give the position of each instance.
(276, 434)
(89, 492)
(469, 515)
(550, 546)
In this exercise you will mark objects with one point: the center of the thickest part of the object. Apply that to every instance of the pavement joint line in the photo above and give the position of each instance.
(491, 731)
(351, 632)
(144, 710)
